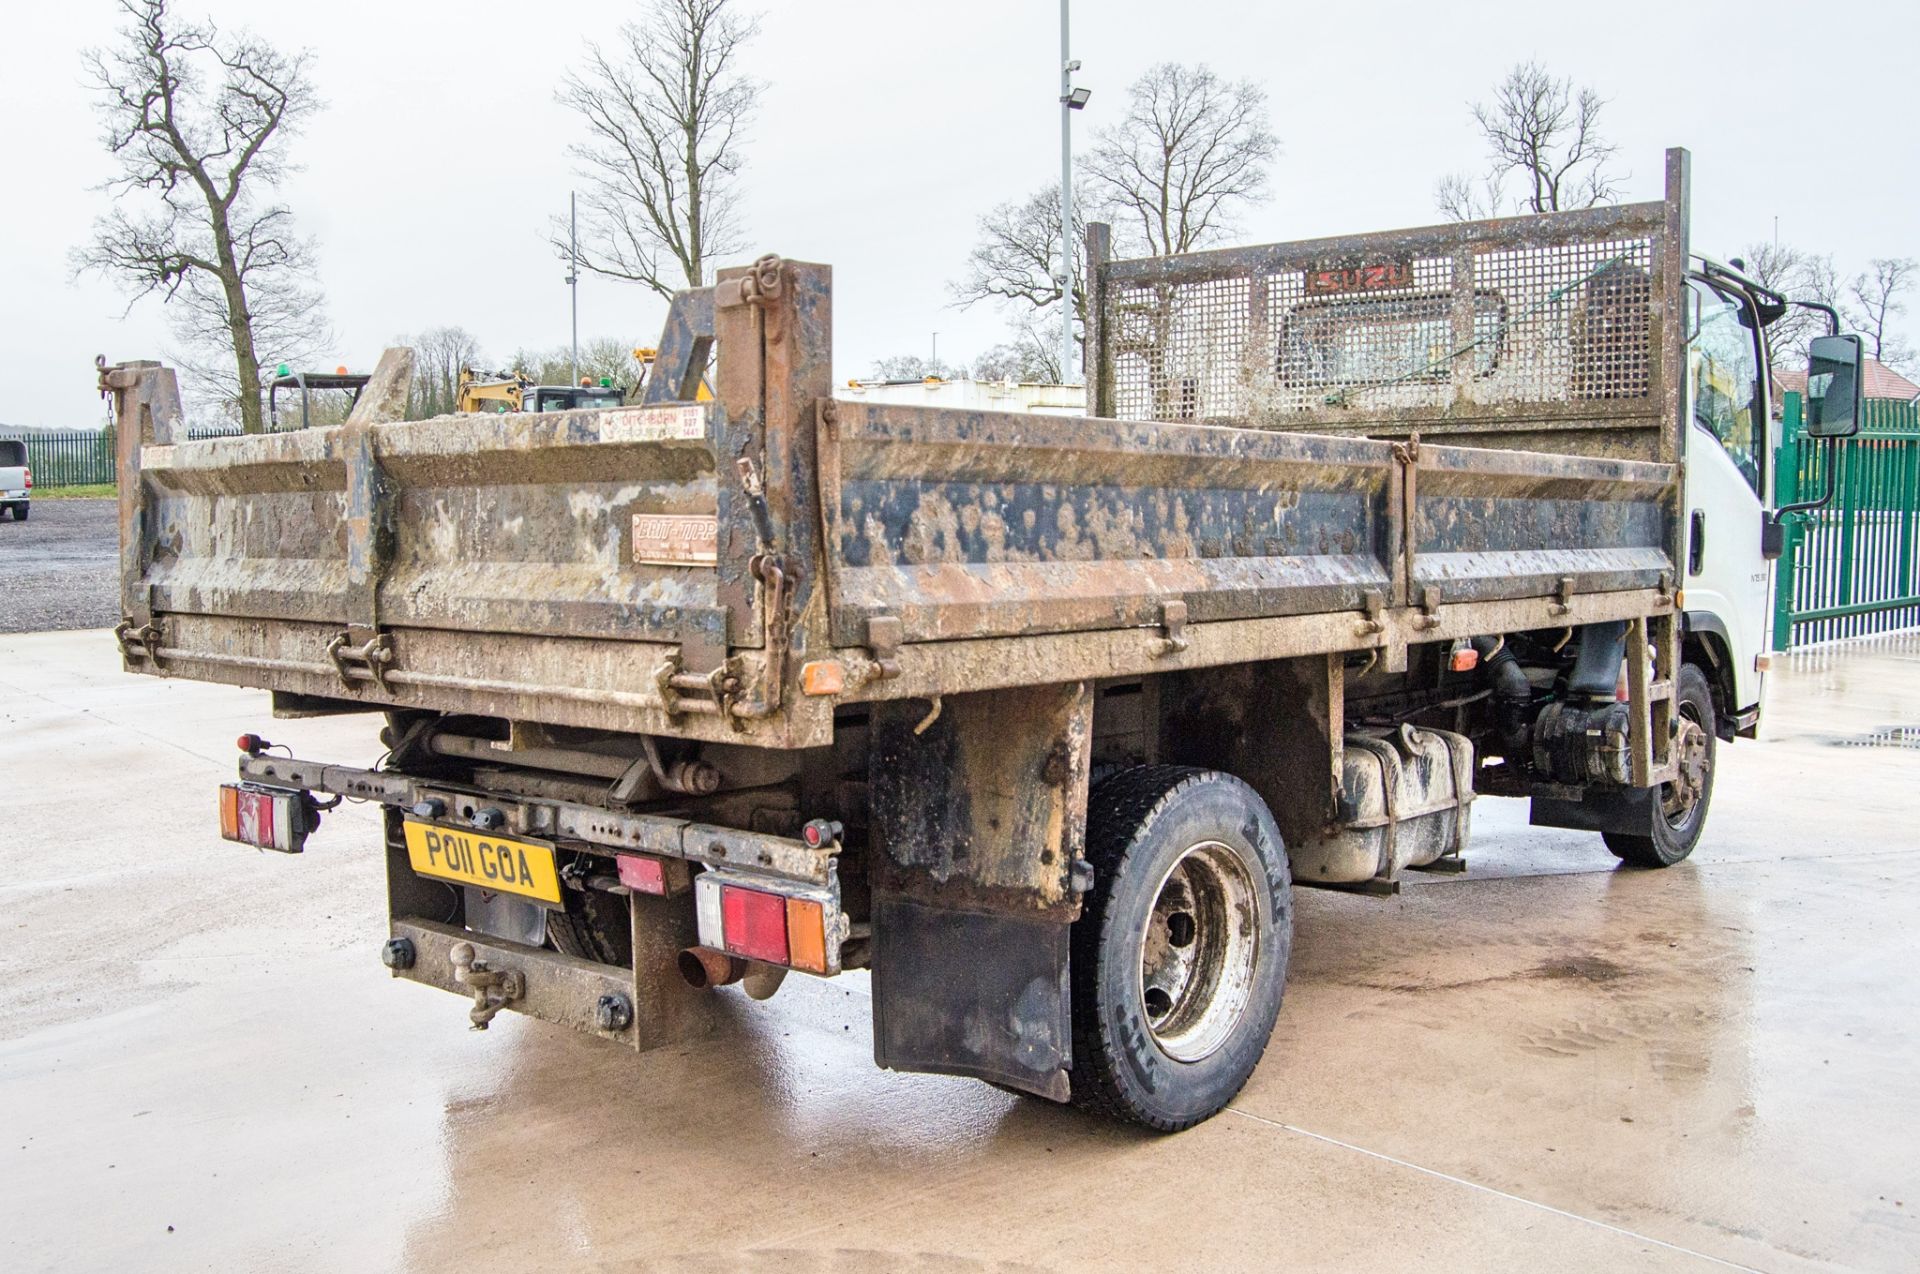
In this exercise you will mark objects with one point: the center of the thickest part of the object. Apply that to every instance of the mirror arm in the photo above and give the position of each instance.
(1826, 497)
(1833, 315)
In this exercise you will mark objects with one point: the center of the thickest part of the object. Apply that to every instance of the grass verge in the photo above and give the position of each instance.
(96, 491)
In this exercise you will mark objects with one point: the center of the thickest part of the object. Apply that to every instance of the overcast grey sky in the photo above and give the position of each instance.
(887, 128)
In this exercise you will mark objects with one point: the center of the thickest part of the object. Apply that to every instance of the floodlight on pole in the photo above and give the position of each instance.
(1071, 99)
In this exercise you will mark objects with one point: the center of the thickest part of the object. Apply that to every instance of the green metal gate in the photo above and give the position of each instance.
(76, 458)
(1849, 569)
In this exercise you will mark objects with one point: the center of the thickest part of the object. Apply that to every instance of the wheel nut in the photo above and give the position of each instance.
(397, 954)
(612, 1013)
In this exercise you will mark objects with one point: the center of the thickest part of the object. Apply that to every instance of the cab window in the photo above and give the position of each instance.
(1724, 362)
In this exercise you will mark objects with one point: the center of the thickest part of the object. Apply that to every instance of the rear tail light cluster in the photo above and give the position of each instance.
(266, 817)
(759, 919)
(29, 479)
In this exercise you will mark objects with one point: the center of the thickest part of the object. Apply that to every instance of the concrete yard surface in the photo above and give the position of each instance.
(1550, 1063)
(60, 568)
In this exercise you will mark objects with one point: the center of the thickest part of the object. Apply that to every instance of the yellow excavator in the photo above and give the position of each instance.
(491, 391)
(515, 391)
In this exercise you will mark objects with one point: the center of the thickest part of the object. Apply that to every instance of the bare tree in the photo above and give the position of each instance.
(602, 357)
(1786, 270)
(666, 110)
(440, 354)
(1191, 152)
(1464, 198)
(1013, 263)
(916, 367)
(198, 122)
(1876, 302)
(1547, 131)
(1026, 357)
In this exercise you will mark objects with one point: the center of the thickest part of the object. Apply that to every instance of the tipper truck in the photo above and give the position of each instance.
(1039, 719)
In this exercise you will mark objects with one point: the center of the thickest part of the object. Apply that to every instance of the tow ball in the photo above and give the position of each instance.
(493, 989)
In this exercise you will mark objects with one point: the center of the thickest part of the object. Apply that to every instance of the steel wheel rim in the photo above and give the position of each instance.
(1679, 801)
(1199, 951)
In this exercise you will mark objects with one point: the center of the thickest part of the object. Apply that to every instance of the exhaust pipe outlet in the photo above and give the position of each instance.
(704, 967)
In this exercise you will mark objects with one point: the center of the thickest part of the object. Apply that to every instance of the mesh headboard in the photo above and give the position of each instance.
(1558, 332)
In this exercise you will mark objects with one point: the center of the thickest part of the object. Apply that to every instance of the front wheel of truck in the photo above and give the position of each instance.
(1680, 812)
(1179, 957)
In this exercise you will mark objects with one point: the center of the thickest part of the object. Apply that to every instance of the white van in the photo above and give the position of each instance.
(16, 479)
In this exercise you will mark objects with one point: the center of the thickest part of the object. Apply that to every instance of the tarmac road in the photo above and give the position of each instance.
(60, 568)
(1550, 1063)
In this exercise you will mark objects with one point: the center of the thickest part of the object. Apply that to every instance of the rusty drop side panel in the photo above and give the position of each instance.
(972, 524)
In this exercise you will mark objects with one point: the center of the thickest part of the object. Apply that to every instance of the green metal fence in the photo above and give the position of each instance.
(1851, 568)
(75, 458)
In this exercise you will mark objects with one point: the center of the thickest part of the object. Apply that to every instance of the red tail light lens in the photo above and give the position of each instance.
(29, 479)
(648, 875)
(755, 924)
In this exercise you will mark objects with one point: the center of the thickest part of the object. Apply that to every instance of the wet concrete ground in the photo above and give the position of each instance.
(1548, 1063)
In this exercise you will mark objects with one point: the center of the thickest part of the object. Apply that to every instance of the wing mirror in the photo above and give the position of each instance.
(1835, 386)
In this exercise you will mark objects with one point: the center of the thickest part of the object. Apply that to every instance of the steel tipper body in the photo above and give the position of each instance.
(1039, 718)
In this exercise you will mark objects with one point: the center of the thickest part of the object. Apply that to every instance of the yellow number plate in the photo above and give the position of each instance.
(484, 860)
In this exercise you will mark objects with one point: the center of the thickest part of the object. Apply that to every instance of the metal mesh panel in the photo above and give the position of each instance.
(1462, 328)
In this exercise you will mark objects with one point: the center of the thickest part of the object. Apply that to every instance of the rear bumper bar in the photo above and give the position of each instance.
(594, 826)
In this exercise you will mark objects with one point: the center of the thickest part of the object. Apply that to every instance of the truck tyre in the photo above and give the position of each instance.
(1680, 814)
(19, 512)
(595, 926)
(1179, 957)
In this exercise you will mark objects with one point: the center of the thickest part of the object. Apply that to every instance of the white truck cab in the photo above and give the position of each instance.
(1728, 483)
(1733, 525)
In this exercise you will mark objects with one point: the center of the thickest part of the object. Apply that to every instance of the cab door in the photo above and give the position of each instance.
(1726, 476)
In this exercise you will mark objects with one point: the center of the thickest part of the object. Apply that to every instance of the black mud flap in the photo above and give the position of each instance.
(966, 993)
(1605, 810)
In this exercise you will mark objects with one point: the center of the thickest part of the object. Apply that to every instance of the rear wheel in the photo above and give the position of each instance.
(1680, 813)
(19, 513)
(595, 926)
(1180, 956)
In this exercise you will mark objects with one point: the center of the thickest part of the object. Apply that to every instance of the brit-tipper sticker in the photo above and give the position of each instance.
(676, 539)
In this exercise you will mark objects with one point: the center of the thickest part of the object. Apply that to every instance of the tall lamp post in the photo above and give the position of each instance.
(573, 276)
(1071, 99)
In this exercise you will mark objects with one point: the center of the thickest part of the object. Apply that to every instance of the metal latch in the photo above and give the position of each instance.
(493, 989)
(676, 686)
(371, 656)
(1429, 616)
(1373, 605)
(1173, 629)
(884, 633)
(1563, 595)
(141, 642)
(759, 286)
